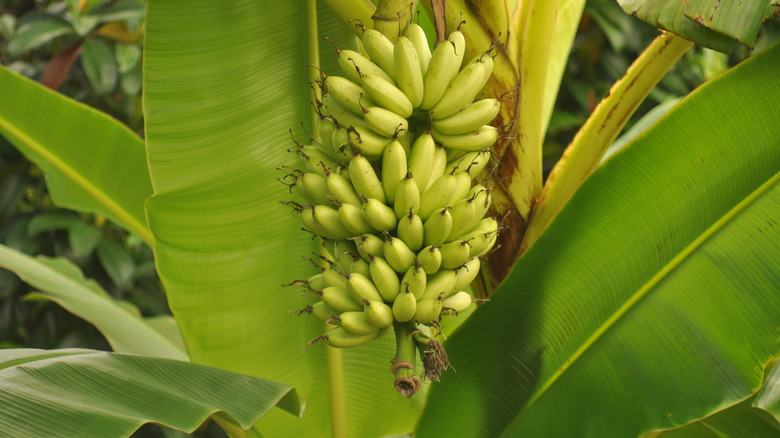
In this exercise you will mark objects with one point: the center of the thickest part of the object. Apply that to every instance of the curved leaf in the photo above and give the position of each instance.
(77, 393)
(651, 300)
(768, 398)
(92, 162)
(223, 85)
(61, 281)
(738, 421)
(38, 30)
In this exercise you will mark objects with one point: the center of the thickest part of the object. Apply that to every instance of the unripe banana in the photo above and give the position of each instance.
(316, 160)
(341, 189)
(416, 35)
(421, 159)
(408, 74)
(428, 310)
(438, 166)
(460, 92)
(387, 95)
(415, 281)
(488, 225)
(472, 162)
(385, 122)
(353, 220)
(324, 221)
(365, 180)
(367, 142)
(398, 255)
(343, 116)
(362, 288)
(455, 254)
(466, 273)
(468, 119)
(338, 337)
(347, 93)
(487, 64)
(378, 215)
(457, 303)
(310, 186)
(441, 284)
(407, 197)
(333, 278)
(404, 306)
(345, 260)
(393, 168)
(356, 323)
(351, 62)
(482, 138)
(430, 259)
(462, 187)
(385, 278)
(444, 65)
(368, 245)
(411, 230)
(479, 241)
(361, 267)
(437, 196)
(482, 201)
(438, 227)
(339, 299)
(379, 314)
(462, 213)
(459, 41)
(380, 49)
(316, 282)
(325, 128)
(322, 311)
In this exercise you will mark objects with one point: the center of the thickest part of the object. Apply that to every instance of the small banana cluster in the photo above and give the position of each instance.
(389, 187)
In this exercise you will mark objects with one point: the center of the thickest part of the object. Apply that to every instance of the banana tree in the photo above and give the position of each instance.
(644, 288)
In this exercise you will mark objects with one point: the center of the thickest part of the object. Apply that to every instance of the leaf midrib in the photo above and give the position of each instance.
(649, 285)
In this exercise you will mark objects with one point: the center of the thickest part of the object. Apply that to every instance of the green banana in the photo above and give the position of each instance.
(438, 166)
(471, 162)
(380, 49)
(343, 116)
(387, 95)
(408, 73)
(397, 254)
(404, 306)
(482, 138)
(416, 35)
(440, 285)
(444, 65)
(354, 65)
(462, 187)
(361, 267)
(333, 278)
(353, 220)
(339, 299)
(347, 93)
(357, 323)
(366, 141)
(326, 125)
(428, 310)
(457, 303)
(324, 221)
(430, 259)
(466, 273)
(385, 122)
(316, 282)
(415, 280)
(385, 278)
(362, 288)
(407, 197)
(339, 337)
(365, 179)
(468, 119)
(459, 42)
(462, 213)
(393, 168)
(368, 245)
(310, 186)
(460, 92)
(378, 215)
(379, 314)
(341, 189)
(322, 311)
(437, 195)
(454, 254)
(411, 231)
(437, 227)
(421, 159)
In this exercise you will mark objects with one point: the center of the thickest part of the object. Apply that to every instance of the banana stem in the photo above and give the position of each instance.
(392, 16)
(406, 382)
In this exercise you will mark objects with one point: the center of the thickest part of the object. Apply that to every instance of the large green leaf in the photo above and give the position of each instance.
(739, 421)
(223, 85)
(92, 162)
(769, 396)
(651, 300)
(61, 281)
(78, 393)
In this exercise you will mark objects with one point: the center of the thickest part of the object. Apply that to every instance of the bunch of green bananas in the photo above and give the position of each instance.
(389, 185)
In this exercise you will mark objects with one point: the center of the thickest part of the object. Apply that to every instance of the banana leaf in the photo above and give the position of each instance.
(651, 300)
